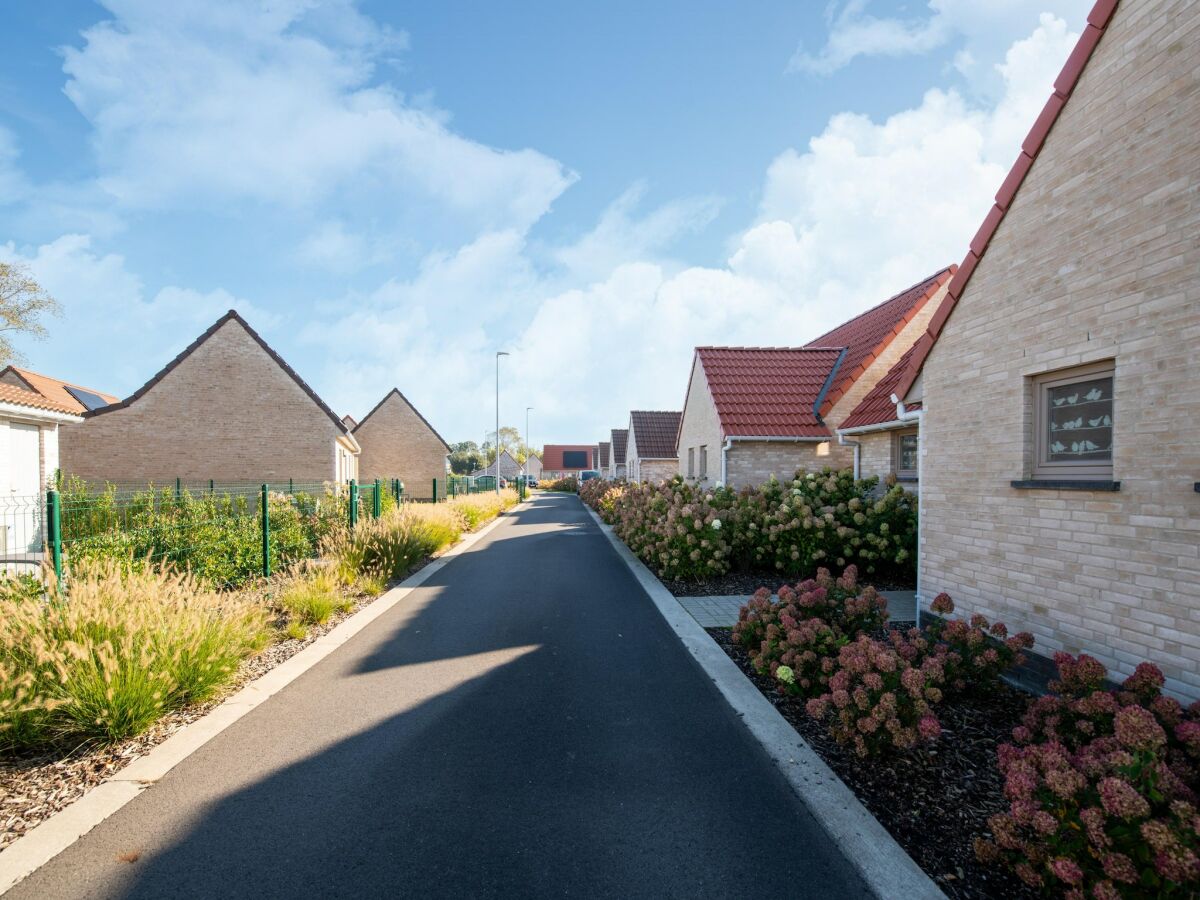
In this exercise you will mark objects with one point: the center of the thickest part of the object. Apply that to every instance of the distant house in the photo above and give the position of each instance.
(1058, 390)
(616, 465)
(605, 458)
(650, 453)
(29, 456)
(228, 408)
(562, 460)
(398, 442)
(533, 466)
(508, 467)
(74, 397)
(753, 412)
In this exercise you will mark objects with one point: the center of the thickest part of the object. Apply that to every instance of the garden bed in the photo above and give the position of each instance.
(934, 801)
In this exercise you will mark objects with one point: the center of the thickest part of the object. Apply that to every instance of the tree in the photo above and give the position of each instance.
(465, 458)
(22, 304)
(510, 440)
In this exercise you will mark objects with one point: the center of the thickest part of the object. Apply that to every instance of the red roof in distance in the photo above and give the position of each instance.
(552, 457)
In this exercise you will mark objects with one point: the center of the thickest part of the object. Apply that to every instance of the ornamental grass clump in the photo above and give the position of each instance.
(379, 550)
(477, 509)
(311, 597)
(124, 645)
(796, 639)
(1102, 788)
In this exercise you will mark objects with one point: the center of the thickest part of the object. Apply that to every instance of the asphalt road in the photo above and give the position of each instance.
(523, 724)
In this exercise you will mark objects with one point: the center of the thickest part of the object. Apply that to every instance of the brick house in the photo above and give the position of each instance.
(1061, 426)
(604, 457)
(753, 412)
(618, 439)
(562, 460)
(30, 428)
(650, 453)
(228, 407)
(398, 442)
(508, 467)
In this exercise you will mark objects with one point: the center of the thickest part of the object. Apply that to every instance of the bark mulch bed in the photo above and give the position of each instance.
(934, 802)
(744, 584)
(36, 785)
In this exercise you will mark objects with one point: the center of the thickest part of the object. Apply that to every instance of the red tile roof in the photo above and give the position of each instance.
(605, 446)
(552, 456)
(867, 335)
(620, 437)
(655, 432)
(877, 407)
(1064, 85)
(55, 390)
(10, 393)
(769, 391)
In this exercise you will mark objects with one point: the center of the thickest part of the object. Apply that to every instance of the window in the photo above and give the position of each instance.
(1073, 422)
(691, 462)
(905, 445)
(703, 461)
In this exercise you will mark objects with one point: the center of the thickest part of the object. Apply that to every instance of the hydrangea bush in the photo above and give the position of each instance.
(797, 638)
(1102, 786)
(975, 652)
(790, 528)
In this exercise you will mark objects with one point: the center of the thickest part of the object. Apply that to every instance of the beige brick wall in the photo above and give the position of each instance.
(700, 427)
(750, 463)
(227, 411)
(654, 470)
(396, 443)
(1096, 260)
(875, 454)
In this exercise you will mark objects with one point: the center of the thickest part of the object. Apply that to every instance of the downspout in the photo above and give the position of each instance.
(857, 447)
(918, 416)
(724, 471)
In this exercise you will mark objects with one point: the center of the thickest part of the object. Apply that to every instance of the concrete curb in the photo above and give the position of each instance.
(884, 867)
(42, 843)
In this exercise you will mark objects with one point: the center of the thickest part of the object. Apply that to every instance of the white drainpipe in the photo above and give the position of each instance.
(918, 416)
(724, 467)
(857, 447)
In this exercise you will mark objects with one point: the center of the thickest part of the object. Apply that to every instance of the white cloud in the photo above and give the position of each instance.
(984, 29)
(867, 208)
(199, 103)
(113, 337)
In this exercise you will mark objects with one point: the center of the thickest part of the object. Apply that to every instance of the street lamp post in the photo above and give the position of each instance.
(525, 464)
(499, 353)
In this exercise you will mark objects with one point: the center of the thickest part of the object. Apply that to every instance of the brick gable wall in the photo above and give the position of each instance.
(396, 443)
(1095, 260)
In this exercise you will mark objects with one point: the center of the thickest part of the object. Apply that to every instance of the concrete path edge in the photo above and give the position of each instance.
(886, 869)
(47, 839)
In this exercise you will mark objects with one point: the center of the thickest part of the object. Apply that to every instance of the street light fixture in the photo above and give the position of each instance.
(525, 463)
(499, 353)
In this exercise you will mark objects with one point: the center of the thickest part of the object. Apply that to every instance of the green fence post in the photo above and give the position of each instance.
(353, 502)
(291, 486)
(399, 490)
(54, 531)
(212, 488)
(178, 489)
(435, 490)
(265, 518)
(378, 504)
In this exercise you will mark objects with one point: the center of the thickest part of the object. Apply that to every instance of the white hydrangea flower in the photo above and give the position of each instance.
(786, 675)
(716, 524)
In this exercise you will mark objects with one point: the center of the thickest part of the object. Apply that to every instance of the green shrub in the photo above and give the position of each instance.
(388, 547)
(124, 646)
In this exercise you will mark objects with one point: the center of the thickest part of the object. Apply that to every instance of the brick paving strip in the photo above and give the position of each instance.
(722, 611)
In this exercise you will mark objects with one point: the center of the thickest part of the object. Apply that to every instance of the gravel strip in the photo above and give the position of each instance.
(935, 801)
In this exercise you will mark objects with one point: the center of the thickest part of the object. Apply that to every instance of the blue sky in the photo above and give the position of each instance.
(391, 192)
